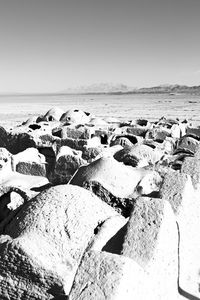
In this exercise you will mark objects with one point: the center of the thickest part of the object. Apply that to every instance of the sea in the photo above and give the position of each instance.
(18, 108)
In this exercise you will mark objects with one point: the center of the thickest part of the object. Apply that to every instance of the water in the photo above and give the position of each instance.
(15, 109)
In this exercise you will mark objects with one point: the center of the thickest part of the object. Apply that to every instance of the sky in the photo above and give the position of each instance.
(52, 45)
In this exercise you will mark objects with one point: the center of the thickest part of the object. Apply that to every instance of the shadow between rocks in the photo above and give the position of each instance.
(181, 291)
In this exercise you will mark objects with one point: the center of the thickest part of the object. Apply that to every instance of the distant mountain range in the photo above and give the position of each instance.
(100, 88)
(105, 88)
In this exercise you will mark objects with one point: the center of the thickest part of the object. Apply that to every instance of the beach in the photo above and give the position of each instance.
(15, 109)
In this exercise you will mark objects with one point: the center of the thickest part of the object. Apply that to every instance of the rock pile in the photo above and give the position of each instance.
(94, 208)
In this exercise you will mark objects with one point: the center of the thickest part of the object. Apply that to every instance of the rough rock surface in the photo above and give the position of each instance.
(49, 235)
(105, 276)
(67, 162)
(120, 180)
(65, 242)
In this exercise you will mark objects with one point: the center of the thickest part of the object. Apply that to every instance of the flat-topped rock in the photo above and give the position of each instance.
(138, 155)
(105, 276)
(67, 162)
(117, 178)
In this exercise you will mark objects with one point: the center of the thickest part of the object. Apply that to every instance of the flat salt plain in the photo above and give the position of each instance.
(15, 109)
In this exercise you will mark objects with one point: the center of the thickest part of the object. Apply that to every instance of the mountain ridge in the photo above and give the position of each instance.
(105, 88)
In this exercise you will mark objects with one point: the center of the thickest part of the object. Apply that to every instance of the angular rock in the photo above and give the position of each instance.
(159, 133)
(188, 220)
(3, 137)
(191, 166)
(77, 132)
(105, 276)
(138, 130)
(191, 130)
(90, 153)
(67, 162)
(188, 142)
(30, 162)
(79, 144)
(173, 188)
(121, 205)
(151, 228)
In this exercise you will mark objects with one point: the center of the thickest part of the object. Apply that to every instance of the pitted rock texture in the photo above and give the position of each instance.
(123, 226)
(54, 229)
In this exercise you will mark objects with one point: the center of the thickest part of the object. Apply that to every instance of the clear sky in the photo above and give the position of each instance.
(50, 45)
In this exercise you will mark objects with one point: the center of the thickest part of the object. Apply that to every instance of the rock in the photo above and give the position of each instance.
(122, 205)
(48, 238)
(98, 122)
(126, 140)
(3, 137)
(9, 178)
(79, 144)
(30, 162)
(106, 231)
(117, 178)
(67, 162)
(191, 130)
(21, 278)
(105, 276)
(10, 199)
(176, 131)
(150, 184)
(5, 160)
(18, 142)
(158, 134)
(173, 188)
(109, 151)
(75, 116)
(151, 227)
(122, 141)
(54, 114)
(188, 220)
(138, 155)
(77, 132)
(191, 166)
(188, 142)
(141, 122)
(136, 130)
(146, 266)
(90, 153)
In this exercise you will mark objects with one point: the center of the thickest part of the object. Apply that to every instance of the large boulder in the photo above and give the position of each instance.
(105, 276)
(182, 192)
(119, 179)
(150, 229)
(146, 268)
(46, 241)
